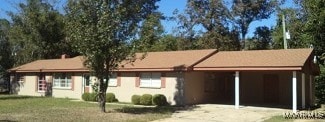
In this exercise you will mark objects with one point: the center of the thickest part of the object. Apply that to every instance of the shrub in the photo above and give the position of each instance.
(85, 96)
(159, 100)
(146, 99)
(93, 97)
(110, 97)
(89, 97)
(136, 99)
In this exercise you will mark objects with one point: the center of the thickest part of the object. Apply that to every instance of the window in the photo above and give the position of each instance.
(41, 83)
(20, 78)
(87, 80)
(113, 80)
(62, 80)
(150, 80)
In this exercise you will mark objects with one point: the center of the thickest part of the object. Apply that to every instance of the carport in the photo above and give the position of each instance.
(279, 78)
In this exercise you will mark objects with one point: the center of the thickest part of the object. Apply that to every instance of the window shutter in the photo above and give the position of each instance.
(72, 81)
(163, 80)
(118, 77)
(36, 82)
(137, 79)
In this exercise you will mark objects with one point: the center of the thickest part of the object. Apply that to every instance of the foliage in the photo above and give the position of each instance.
(37, 32)
(6, 59)
(110, 97)
(146, 99)
(150, 33)
(315, 25)
(159, 100)
(136, 99)
(294, 25)
(261, 40)
(95, 87)
(247, 11)
(89, 97)
(320, 86)
(213, 16)
(102, 30)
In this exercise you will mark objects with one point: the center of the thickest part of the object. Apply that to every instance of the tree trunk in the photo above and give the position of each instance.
(102, 96)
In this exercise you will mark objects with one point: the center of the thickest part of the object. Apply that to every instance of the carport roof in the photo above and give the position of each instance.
(284, 59)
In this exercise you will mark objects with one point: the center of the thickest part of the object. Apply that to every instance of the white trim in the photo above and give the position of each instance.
(64, 88)
(294, 91)
(237, 90)
(303, 88)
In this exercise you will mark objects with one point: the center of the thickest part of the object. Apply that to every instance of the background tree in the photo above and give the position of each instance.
(150, 32)
(314, 27)
(37, 32)
(101, 31)
(6, 60)
(261, 40)
(294, 19)
(247, 11)
(315, 24)
(214, 17)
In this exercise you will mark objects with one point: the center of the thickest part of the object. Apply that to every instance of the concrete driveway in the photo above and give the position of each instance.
(223, 113)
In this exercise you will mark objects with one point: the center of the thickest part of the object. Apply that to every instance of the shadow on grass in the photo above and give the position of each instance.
(7, 120)
(161, 110)
(11, 97)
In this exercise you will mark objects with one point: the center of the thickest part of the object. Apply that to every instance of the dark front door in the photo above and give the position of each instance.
(271, 89)
(86, 80)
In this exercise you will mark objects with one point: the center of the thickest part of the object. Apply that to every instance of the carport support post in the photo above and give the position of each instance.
(303, 97)
(237, 90)
(294, 91)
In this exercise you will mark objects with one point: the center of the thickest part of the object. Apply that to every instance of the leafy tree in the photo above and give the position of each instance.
(294, 20)
(150, 32)
(6, 60)
(261, 40)
(247, 11)
(101, 31)
(214, 17)
(315, 24)
(169, 43)
(37, 32)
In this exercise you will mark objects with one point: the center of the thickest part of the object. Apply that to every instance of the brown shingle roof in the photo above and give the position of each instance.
(172, 60)
(290, 59)
(53, 65)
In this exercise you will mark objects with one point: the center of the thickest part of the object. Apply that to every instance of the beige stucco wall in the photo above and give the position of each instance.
(28, 87)
(75, 93)
(194, 87)
(124, 92)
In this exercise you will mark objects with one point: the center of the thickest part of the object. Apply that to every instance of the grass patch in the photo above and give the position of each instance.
(278, 118)
(26, 108)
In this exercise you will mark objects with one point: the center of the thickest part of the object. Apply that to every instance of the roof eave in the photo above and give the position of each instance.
(52, 70)
(294, 68)
(151, 69)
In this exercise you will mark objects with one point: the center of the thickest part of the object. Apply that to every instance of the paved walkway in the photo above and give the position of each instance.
(223, 113)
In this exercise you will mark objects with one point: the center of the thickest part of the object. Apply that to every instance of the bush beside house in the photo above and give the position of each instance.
(89, 97)
(136, 99)
(159, 100)
(148, 99)
(110, 97)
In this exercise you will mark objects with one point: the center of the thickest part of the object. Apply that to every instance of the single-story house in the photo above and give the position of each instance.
(282, 78)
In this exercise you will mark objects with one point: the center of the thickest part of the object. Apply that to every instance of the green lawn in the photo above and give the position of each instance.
(278, 118)
(25, 108)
